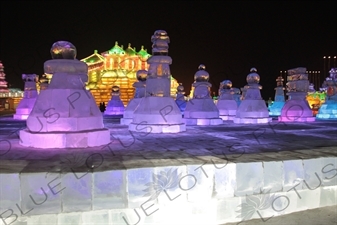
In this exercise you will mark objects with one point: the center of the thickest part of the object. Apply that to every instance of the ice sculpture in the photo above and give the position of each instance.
(201, 110)
(30, 94)
(328, 110)
(226, 104)
(65, 115)
(139, 94)
(279, 101)
(157, 112)
(253, 108)
(115, 106)
(243, 92)
(237, 95)
(180, 99)
(296, 108)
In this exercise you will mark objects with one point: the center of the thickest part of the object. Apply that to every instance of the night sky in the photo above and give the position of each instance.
(228, 37)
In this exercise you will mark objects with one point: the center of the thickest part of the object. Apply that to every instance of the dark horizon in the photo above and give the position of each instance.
(229, 38)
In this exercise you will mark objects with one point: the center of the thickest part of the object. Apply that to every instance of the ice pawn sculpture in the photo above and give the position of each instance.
(65, 114)
(252, 108)
(201, 110)
(226, 104)
(279, 101)
(157, 112)
(296, 108)
(180, 99)
(30, 95)
(328, 110)
(237, 95)
(139, 94)
(115, 106)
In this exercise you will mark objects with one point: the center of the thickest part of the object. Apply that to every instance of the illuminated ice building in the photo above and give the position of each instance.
(117, 67)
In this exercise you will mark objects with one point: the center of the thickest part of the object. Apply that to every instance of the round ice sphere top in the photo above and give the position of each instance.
(253, 77)
(226, 84)
(180, 88)
(63, 50)
(202, 75)
(141, 75)
(201, 67)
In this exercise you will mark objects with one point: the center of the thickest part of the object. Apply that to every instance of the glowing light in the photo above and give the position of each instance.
(117, 67)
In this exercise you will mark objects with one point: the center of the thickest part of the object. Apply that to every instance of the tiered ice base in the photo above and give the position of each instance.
(328, 111)
(81, 139)
(296, 111)
(157, 115)
(203, 121)
(202, 112)
(20, 116)
(252, 112)
(276, 108)
(157, 128)
(217, 192)
(129, 110)
(225, 117)
(24, 108)
(252, 120)
(114, 111)
(227, 109)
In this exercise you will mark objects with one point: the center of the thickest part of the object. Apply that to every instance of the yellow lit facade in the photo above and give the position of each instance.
(117, 67)
(316, 99)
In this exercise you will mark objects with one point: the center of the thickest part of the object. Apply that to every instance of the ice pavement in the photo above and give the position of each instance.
(206, 173)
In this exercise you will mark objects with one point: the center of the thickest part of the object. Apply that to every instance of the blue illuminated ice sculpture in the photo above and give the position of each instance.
(180, 99)
(276, 108)
(328, 110)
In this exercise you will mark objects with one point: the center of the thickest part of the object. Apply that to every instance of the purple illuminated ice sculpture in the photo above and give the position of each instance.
(140, 90)
(65, 114)
(157, 112)
(201, 109)
(296, 108)
(252, 109)
(30, 95)
(226, 104)
(115, 106)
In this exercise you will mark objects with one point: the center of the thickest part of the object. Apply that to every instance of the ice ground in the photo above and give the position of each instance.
(240, 143)
(197, 141)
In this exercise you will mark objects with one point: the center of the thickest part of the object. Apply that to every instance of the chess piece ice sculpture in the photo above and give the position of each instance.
(201, 110)
(226, 104)
(65, 115)
(253, 108)
(276, 107)
(328, 110)
(115, 106)
(157, 112)
(180, 99)
(139, 94)
(296, 108)
(237, 95)
(30, 94)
